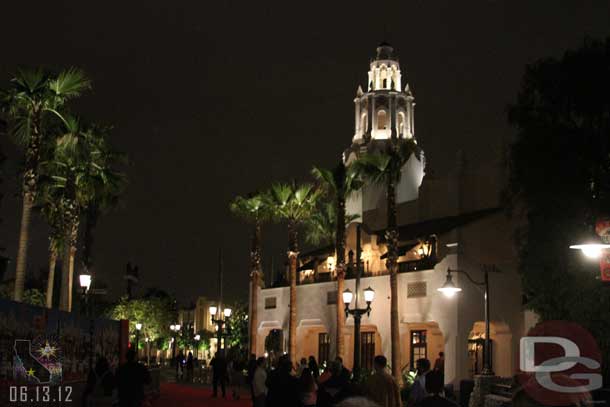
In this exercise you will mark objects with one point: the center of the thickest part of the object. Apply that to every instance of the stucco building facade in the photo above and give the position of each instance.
(453, 221)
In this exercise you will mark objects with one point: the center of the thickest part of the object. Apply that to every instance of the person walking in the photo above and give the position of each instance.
(251, 368)
(302, 365)
(131, 379)
(259, 387)
(381, 386)
(101, 385)
(313, 366)
(189, 367)
(180, 366)
(434, 387)
(418, 390)
(219, 374)
(439, 365)
(283, 387)
(308, 389)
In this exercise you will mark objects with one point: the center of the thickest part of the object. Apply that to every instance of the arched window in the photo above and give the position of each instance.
(382, 120)
(384, 77)
(364, 123)
(401, 124)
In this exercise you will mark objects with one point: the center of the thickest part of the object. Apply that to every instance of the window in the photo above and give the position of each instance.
(270, 302)
(381, 120)
(323, 347)
(331, 297)
(401, 124)
(417, 289)
(367, 349)
(419, 348)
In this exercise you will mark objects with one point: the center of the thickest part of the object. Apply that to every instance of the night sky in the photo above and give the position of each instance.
(214, 99)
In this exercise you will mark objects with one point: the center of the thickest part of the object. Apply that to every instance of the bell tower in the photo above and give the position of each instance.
(384, 111)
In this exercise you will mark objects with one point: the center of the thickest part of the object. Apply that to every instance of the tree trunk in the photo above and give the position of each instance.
(30, 183)
(51, 278)
(292, 258)
(392, 265)
(67, 272)
(255, 278)
(340, 261)
(22, 251)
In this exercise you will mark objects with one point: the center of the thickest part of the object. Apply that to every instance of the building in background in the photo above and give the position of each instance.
(454, 221)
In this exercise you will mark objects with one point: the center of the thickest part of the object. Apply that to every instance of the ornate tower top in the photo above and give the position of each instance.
(385, 110)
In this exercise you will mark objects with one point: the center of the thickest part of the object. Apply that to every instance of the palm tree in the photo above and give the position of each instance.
(339, 184)
(52, 216)
(384, 168)
(253, 209)
(293, 203)
(32, 107)
(81, 171)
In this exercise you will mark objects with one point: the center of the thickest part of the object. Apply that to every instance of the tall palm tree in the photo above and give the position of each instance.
(339, 183)
(80, 170)
(254, 209)
(52, 216)
(32, 106)
(294, 204)
(384, 168)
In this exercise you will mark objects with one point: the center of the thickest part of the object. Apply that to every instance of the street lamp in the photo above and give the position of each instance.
(85, 284)
(216, 315)
(197, 339)
(174, 328)
(138, 328)
(449, 289)
(369, 295)
(591, 245)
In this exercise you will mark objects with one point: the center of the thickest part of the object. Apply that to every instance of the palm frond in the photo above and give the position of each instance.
(70, 83)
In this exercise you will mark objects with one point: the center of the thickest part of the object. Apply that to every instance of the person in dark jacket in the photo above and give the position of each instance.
(131, 379)
(283, 388)
(101, 382)
(219, 374)
(313, 366)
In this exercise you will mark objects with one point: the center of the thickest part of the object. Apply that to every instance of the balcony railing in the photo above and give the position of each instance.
(403, 267)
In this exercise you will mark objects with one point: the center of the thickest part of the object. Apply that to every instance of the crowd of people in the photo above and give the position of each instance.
(306, 385)
(125, 387)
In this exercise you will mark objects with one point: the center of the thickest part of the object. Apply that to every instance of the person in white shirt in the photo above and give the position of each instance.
(259, 388)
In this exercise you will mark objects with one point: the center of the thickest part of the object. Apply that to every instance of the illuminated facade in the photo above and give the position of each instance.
(453, 221)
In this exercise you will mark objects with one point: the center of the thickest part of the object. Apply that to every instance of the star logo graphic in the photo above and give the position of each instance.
(31, 372)
(47, 351)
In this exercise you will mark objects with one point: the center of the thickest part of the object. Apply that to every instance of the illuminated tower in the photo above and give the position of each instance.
(383, 113)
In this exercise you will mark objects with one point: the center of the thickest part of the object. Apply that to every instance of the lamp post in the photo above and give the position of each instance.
(369, 295)
(84, 280)
(147, 340)
(220, 319)
(138, 328)
(197, 339)
(449, 289)
(174, 329)
(592, 245)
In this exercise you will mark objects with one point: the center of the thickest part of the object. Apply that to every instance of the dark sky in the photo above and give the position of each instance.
(214, 99)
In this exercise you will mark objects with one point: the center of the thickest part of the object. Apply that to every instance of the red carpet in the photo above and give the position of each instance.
(180, 395)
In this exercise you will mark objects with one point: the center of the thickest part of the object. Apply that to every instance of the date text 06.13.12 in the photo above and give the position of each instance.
(37, 394)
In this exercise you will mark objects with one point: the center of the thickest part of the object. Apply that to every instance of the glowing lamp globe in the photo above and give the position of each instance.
(177, 327)
(369, 295)
(227, 312)
(449, 289)
(138, 326)
(85, 281)
(347, 297)
(213, 310)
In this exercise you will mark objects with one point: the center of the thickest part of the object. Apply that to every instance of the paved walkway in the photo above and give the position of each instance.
(190, 395)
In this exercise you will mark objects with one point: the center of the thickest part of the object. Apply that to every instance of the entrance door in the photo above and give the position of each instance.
(323, 348)
(419, 347)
